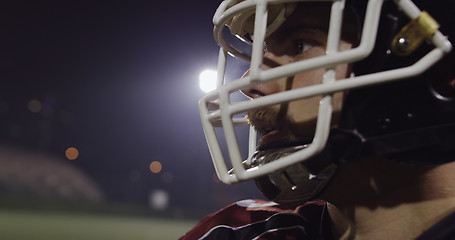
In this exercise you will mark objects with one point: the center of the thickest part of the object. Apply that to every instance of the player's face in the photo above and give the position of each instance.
(302, 36)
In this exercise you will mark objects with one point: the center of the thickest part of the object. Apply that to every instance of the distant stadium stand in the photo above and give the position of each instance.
(35, 174)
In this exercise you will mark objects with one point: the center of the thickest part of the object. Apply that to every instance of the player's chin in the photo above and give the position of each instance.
(282, 142)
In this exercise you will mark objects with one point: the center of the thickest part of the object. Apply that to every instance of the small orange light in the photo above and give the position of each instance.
(71, 153)
(155, 167)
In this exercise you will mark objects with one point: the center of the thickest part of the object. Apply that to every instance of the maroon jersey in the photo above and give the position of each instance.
(261, 220)
(256, 219)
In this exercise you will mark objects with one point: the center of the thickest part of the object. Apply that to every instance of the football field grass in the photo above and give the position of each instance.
(22, 225)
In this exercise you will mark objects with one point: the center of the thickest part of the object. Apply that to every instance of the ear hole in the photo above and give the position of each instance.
(444, 90)
(443, 79)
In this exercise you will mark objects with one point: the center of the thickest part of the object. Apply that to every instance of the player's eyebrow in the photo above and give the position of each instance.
(306, 29)
(299, 30)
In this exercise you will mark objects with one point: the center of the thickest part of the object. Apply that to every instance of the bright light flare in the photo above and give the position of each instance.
(207, 80)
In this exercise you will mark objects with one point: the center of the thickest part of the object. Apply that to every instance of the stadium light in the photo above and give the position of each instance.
(207, 80)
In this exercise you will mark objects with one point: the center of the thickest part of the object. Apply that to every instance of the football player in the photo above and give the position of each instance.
(352, 119)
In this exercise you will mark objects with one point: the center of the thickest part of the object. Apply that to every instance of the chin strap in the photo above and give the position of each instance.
(305, 181)
(295, 184)
(420, 147)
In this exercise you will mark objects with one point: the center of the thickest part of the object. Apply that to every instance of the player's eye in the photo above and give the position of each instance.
(303, 46)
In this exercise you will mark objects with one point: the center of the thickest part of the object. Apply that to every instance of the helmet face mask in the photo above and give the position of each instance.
(300, 61)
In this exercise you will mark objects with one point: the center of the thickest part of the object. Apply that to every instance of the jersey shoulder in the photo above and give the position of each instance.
(252, 217)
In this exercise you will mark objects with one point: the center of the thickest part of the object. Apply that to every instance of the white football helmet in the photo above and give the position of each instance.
(299, 173)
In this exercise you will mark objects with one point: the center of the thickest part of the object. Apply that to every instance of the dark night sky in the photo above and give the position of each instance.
(119, 81)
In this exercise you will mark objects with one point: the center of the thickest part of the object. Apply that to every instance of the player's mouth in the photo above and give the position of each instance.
(275, 130)
(269, 136)
(272, 136)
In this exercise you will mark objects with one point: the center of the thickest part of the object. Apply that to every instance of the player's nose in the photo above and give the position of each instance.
(270, 61)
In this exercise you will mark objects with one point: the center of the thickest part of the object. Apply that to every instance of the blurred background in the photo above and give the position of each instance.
(100, 136)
